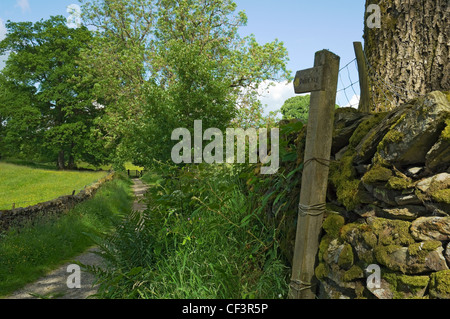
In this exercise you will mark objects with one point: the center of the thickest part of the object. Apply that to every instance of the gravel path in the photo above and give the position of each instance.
(54, 285)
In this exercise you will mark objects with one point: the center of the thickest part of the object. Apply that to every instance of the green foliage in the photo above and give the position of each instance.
(160, 65)
(296, 108)
(198, 239)
(43, 109)
(29, 252)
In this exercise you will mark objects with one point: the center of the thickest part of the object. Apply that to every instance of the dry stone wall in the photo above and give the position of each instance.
(389, 203)
(60, 205)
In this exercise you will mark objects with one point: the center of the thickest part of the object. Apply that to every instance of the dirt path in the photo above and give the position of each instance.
(54, 284)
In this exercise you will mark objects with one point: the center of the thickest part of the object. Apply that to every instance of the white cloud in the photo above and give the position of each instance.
(2, 36)
(274, 96)
(2, 30)
(74, 19)
(354, 102)
(23, 4)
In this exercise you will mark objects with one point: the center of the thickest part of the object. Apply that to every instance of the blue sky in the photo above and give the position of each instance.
(305, 26)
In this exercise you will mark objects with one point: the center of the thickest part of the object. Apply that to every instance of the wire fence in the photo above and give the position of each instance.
(348, 89)
(383, 92)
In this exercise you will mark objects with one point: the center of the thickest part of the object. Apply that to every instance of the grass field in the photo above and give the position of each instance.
(26, 186)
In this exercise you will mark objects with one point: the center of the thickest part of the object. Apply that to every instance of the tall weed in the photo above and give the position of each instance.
(197, 239)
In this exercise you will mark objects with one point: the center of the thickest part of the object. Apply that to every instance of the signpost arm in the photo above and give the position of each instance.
(315, 173)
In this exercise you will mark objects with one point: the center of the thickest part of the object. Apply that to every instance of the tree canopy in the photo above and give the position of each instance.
(162, 64)
(296, 107)
(44, 111)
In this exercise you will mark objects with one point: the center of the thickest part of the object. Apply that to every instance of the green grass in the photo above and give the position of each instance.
(199, 240)
(26, 186)
(31, 251)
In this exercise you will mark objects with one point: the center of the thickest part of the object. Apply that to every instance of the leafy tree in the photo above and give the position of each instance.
(296, 107)
(56, 110)
(161, 64)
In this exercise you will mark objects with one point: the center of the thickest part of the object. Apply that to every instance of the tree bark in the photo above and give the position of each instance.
(71, 164)
(409, 55)
(61, 161)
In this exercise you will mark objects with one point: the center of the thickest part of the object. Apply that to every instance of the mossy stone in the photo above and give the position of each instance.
(323, 246)
(343, 177)
(333, 224)
(399, 183)
(392, 232)
(321, 271)
(418, 249)
(386, 255)
(441, 196)
(440, 285)
(446, 132)
(355, 272)
(346, 257)
(377, 174)
(407, 287)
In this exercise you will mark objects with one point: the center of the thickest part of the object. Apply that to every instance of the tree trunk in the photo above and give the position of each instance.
(71, 164)
(409, 55)
(61, 161)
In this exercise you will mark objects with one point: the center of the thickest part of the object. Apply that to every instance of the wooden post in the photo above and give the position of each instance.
(322, 81)
(364, 100)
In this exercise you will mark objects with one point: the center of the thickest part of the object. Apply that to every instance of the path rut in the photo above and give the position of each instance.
(54, 284)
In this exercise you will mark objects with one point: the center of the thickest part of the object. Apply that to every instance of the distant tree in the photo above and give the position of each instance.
(410, 51)
(42, 105)
(296, 107)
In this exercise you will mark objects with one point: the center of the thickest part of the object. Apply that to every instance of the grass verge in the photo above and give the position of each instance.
(29, 252)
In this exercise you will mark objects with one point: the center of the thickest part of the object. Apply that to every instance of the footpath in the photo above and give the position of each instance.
(54, 284)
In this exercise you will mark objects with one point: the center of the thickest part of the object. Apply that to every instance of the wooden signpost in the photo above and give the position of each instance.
(321, 81)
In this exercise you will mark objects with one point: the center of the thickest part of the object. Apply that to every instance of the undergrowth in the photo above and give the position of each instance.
(198, 239)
